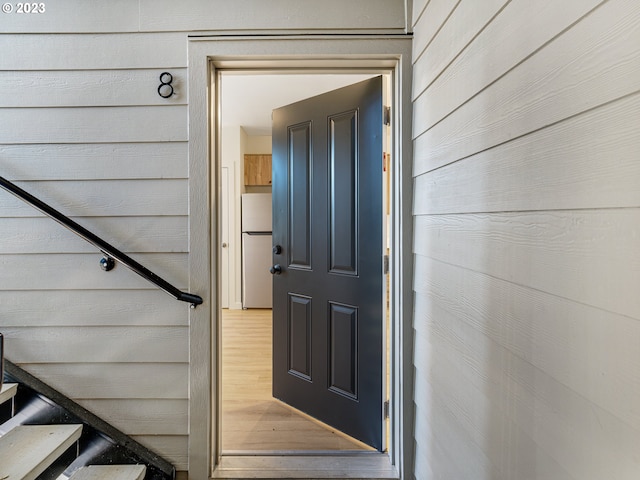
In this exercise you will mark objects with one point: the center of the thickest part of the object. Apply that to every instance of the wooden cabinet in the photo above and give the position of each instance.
(257, 169)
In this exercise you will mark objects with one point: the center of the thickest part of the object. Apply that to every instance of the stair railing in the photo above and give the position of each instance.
(111, 254)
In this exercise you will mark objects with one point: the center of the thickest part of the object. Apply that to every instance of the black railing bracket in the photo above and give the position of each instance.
(107, 263)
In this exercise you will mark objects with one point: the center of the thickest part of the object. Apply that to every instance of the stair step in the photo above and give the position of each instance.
(8, 391)
(110, 472)
(27, 450)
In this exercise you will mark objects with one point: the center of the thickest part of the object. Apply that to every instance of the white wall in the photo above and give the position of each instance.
(235, 143)
(83, 127)
(527, 267)
(258, 144)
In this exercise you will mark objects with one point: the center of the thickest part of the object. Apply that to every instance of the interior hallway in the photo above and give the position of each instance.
(252, 420)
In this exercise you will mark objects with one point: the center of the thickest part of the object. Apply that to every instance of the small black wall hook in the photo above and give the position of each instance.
(165, 89)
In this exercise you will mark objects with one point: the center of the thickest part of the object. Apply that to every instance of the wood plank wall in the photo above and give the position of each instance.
(83, 127)
(527, 213)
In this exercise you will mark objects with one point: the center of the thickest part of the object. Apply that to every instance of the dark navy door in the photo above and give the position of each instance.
(328, 258)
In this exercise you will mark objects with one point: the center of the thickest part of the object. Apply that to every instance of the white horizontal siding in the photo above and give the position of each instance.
(89, 51)
(425, 29)
(418, 9)
(95, 161)
(135, 234)
(525, 239)
(117, 307)
(252, 15)
(478, 378)
(572, 74)
(82, 271)
(145, 417)
(97, 344)
(115, 380)
(83, 128)
(172, 446)
(568, 341)
(101, 198)
(474, 36)
(471, 430)
(571, 254)
(82, 88)
(76, 16)
(592, 159)
(466, 21)
(93, 124)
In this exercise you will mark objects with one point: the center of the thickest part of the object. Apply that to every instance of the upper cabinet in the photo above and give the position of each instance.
(257, 169)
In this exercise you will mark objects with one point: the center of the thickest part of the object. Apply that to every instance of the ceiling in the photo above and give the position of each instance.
(248, 99)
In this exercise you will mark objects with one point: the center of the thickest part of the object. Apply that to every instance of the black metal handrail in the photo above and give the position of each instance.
(111, 253)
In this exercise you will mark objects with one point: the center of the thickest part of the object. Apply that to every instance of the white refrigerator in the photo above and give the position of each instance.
(256, 250)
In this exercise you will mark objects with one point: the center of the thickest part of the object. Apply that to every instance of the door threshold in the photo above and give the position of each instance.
(298, 453)
(353, 465)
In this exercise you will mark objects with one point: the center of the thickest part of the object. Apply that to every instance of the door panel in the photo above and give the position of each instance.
(327, 217)
(343, 350)
(343, 188)
(299, 142)
(299, 335)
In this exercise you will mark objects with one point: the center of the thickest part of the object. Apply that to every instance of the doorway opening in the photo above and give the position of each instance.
(252, 421)
(336, 53)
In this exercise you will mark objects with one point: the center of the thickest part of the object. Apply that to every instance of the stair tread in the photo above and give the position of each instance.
(110, 472)
(27, 450)
(8, 391)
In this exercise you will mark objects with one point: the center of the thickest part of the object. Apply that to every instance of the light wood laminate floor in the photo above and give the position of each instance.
(252, 420)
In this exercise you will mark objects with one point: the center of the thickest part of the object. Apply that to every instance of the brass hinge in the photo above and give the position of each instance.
(386, 409)
(387, 115)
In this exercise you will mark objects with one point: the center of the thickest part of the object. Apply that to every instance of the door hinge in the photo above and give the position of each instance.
(386, 409)
(387, 115)
(385, 264)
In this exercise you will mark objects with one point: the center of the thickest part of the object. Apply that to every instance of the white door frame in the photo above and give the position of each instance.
(309, 53)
